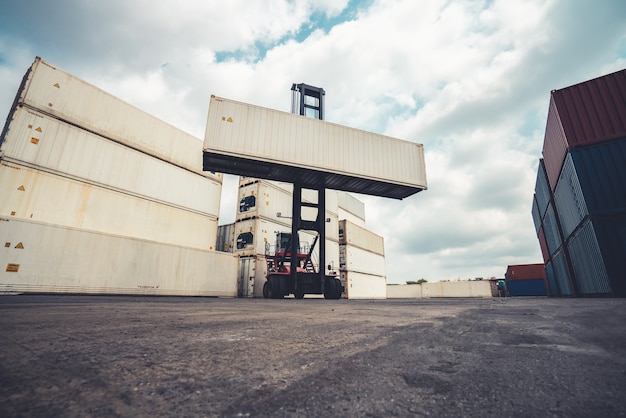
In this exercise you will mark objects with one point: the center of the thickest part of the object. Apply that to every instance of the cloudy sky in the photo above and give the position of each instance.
(469, 79)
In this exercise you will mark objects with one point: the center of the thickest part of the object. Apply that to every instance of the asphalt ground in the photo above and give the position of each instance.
(97, 356)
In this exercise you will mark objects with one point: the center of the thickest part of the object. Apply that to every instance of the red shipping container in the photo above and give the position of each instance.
(525, 272)
(583, 114)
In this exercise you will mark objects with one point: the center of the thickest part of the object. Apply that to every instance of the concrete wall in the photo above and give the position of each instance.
(466, 289)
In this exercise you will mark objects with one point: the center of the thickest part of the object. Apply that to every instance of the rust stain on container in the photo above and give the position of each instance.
(13, 268)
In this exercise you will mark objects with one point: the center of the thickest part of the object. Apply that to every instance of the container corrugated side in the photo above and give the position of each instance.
(554, 145)
(543, 245)
(254, 141)
(587, 262)
(355, 259)
(354, 235)
(48, 144)
(225, 238)
(551, 230)
(351, 204)
(347, 216)
(534, 211)
(561, 274)
(601, 171)
(611, 234)
(364, 286)
(52, 259)
(593, 111)
(532, 287)
(66, 97)
(43, 197)
(542, 189)
(568, 198)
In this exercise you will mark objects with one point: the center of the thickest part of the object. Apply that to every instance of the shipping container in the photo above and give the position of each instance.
(542, 190)
(531, 287)
(525, 272)
(357, 260)
(587, 263)
(47, 144)
(583, 114)
(254, 141)
(568, 199)
(610, 231)
(225, 238)
(601, 172)
(47, 198)
(53, 259)
(537, 221)
(57, 93)
(353, 235)
(264, 199)
(352, 205)
(257, 236)
(543, 245)
(558, 272)
(551, 230)
(364, 286)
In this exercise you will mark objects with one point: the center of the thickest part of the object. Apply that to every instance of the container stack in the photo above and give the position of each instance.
(100, 197)
(579, 207)
(264, 209)
(361, 262)
(526, 280)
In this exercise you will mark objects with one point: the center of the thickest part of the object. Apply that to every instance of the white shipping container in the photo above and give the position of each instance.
(358, 260)
(364, 286)
(53, 259)
(343, 215)
(254, 141)
(66, 97)
(43, 197)
(351, 204)
(354, 235)
(46, 143)
(253, 236)
(263, 199)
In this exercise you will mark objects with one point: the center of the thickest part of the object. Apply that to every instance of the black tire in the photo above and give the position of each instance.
(332, 288)
(266, 289)
(276, 291)
(298, 294)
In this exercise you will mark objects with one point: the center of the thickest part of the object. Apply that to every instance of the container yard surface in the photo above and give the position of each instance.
(79, 356)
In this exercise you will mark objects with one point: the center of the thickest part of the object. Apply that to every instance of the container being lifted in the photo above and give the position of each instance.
(253, 141)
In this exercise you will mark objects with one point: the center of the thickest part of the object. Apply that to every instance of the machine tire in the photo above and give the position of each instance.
(276, 291)
(266, 289)
(332, 288)
(298, 294)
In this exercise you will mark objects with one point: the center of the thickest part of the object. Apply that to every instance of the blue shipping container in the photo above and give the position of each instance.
(542, 189)
(536, 217)
(587, 262)
(568, 199)
(551, 229)
(601, 171)
(532, 287)
(611, 234)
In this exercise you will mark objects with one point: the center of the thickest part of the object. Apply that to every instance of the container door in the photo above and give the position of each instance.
(245, 280)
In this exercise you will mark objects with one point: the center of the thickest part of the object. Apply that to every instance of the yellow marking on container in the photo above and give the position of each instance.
(57, 85)
(7, 244)
(49, 104)
(21, 189)
(13, 268)
(38, 129)
(30, 126)
(12, 213)
(229, 119)
(267, 203)
(20, 246)
(34, 140)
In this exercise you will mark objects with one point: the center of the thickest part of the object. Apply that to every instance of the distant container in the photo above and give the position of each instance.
(254, 141)
(364, 286)
(357, 260)
(354, 208)
(583, 114)
(57, 93)
(354, 235)
(45, 143)
(531, 287)
(45, 258)
(43, 197)
(525, 272)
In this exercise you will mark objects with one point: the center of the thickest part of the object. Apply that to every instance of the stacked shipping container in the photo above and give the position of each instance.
(100, 197)
(361, 262)
(526, 280)
(579, 208)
